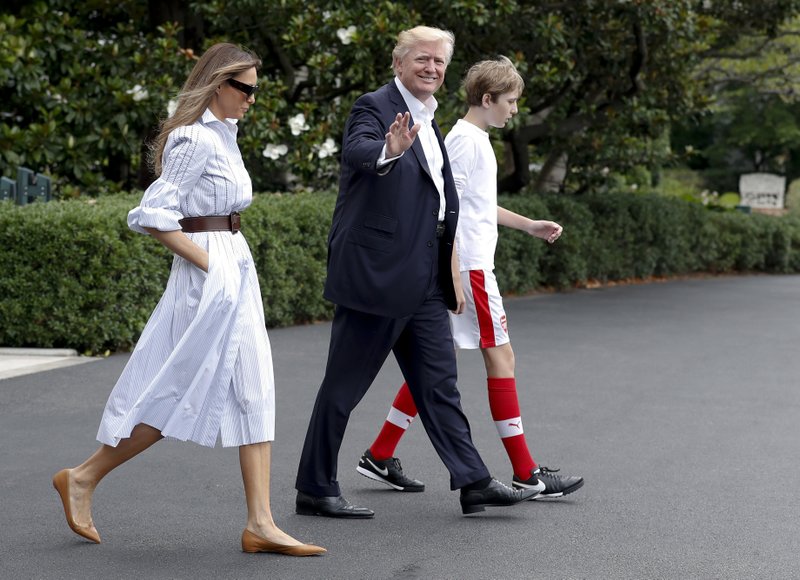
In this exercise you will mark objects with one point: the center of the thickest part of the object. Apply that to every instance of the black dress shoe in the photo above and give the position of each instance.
(330, 507)
(494, 494)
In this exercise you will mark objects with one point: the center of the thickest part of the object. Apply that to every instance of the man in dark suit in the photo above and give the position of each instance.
(390, 252)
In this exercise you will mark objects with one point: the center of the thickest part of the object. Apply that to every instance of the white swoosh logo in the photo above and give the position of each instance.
(384, 472)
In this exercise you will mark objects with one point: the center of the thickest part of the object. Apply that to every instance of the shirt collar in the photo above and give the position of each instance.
(230, 124)
(419, 111)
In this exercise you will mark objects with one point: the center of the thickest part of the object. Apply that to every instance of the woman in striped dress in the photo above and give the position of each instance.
(202, 369)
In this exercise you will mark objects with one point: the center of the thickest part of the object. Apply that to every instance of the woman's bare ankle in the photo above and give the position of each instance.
(82, 480)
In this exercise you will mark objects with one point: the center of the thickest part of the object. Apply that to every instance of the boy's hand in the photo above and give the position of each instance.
(546, 230)
(400, 137)
(461, 300)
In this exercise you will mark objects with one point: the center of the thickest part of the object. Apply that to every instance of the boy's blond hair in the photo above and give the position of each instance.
(493, 77)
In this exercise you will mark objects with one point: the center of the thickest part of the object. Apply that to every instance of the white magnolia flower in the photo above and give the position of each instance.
(139, 93)
(634, 186)
(327, 149)
(605, 171)
(707, 4)
(346, 34)
(172, 106)
(272, 151)
(298, 124)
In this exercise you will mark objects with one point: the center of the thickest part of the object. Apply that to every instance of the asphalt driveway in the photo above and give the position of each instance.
(679, 402)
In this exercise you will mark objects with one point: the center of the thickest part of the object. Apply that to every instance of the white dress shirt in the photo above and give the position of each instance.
(202, 368)
(422, 114)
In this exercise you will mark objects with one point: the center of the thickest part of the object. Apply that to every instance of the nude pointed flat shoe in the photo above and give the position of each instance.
(61, 483)
(252, 544)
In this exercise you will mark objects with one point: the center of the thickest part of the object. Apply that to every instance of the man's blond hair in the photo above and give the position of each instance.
(408, 39)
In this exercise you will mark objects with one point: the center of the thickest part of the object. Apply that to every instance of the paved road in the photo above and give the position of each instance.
(678, 402)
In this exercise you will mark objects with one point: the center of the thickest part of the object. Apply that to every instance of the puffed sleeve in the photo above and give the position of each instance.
(185, 157)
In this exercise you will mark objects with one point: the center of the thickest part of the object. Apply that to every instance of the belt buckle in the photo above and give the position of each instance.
(236, 222)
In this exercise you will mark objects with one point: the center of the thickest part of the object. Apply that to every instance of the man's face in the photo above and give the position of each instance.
(422, 70)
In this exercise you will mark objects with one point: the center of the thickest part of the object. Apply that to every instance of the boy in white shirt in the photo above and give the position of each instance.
(493, 88)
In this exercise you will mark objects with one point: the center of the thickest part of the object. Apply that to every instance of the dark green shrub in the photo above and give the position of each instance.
(75, 276)
(518, 257)
(793, 225)
(617, 236)
(288, 238)
(78, 102)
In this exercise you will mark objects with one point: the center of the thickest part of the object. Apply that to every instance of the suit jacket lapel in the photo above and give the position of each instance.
(446, 167)
(450, 193)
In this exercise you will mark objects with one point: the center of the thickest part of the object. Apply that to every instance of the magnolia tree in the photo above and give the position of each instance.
(605, 78)
(77, 102)
(752, 122)
(84, 85)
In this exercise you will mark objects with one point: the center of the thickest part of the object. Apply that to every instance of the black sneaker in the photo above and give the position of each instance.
(532, 482)
(554, 485)
(387, 471)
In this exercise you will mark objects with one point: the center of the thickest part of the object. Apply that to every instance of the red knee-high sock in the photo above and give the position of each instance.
(400, 416)
(504, 406)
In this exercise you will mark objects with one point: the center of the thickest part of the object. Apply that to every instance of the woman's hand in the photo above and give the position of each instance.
(180, 244)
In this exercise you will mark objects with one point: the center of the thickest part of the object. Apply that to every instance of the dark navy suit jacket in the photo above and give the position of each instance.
(382, 242)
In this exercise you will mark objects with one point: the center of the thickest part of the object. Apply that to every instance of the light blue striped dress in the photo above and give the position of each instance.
(202, 369)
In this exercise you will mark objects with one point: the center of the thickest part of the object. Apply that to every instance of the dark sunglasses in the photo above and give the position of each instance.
(248, 90)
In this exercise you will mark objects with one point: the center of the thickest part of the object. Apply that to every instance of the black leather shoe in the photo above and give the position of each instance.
(494, 494)
(330, 507)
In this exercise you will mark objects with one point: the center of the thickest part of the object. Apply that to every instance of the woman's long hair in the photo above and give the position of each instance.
(221, 62)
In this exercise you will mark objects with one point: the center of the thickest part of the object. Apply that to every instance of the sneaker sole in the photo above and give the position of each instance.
(375, 477)
(567, 491)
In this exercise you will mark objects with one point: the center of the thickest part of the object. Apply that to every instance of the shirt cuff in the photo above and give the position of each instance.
(165, 220)
(383, 161)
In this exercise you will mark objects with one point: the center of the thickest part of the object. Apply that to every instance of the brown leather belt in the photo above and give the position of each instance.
(212, 223)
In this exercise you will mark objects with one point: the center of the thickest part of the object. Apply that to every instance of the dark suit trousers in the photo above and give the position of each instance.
(423, 346)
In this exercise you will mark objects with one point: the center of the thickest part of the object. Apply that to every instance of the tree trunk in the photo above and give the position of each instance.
(554, 172)
(161, 11)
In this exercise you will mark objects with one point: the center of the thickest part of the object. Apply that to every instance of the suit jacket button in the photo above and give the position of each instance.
(430, 244)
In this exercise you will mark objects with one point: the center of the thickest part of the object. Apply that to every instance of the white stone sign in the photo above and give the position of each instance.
(762, 190)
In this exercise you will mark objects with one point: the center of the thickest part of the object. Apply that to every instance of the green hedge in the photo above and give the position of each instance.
(606, 237)
(623, 236)
(73, 274)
